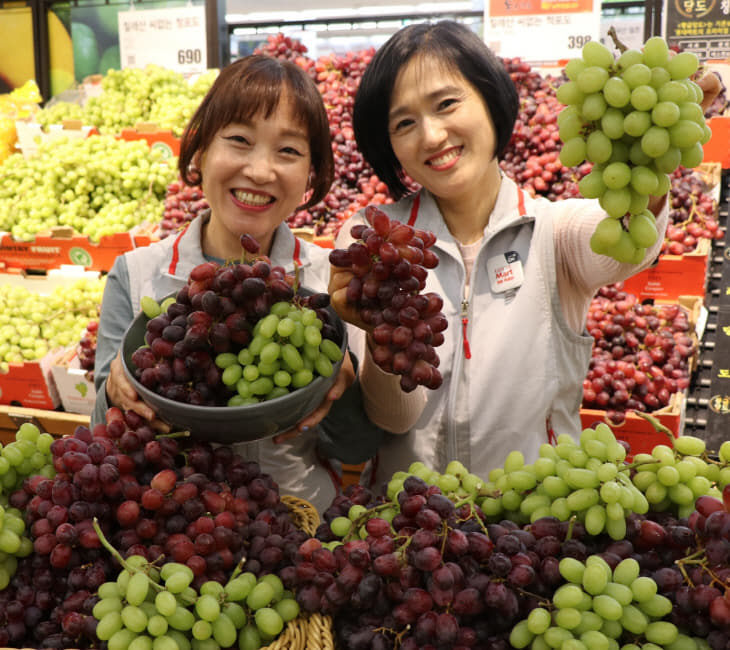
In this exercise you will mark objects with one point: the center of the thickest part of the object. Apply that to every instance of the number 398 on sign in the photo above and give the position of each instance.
(577, 42)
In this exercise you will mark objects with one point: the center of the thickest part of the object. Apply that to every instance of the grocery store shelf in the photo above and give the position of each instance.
(708, 402)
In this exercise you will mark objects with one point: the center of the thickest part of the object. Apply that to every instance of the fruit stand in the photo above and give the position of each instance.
(120, 538)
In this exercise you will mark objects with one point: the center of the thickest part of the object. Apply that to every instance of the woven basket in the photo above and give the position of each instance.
(309, 631)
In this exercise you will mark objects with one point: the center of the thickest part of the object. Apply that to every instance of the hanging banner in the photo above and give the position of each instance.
(173, 38)
(541, 31)
(699, 26)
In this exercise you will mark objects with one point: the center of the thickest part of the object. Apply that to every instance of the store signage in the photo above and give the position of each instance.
(173, 38)
(541, 31)
(700, 26)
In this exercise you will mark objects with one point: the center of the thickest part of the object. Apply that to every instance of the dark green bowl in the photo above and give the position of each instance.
(231, 424)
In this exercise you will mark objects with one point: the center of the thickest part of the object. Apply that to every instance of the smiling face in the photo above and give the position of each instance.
(254, 176)
(441, 131)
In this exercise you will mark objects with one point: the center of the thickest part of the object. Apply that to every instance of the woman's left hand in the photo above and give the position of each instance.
(711, 87)
(345, 379)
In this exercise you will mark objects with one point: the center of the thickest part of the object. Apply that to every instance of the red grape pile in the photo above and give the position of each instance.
(280, 46)
(216, 313)
(182, 204)
(531, 157)
(86, 349)
(355, 184)
(641, 355)
(692, 213)
(208, 509)
(390, 261)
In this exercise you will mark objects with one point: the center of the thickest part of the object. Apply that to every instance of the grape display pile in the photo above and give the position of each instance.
(448, 560)
(636, 118)
(90, 508)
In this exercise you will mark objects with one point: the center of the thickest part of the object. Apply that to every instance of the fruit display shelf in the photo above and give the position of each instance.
(634, 428)
(40, 315)
(707, 414)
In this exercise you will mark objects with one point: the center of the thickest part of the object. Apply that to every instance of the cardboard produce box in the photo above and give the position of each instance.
(62, 246)
(75, 389)
(638, 431)
(31, 384)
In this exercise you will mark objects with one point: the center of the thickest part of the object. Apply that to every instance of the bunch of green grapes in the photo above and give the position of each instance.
(602, 609)
(28, 455)
(673, 477)
(287, 352)
(151, 609)
(636, 118)
(588, 479)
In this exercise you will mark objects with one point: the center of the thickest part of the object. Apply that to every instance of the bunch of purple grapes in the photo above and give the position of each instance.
(389, 261)
(214, 312)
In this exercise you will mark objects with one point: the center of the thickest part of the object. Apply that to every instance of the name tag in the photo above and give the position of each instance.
(505, 272)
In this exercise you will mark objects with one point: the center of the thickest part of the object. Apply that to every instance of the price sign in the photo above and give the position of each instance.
(172, 38)
(541, 31)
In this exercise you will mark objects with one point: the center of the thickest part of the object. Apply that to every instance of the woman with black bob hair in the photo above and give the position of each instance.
(434, 111)
(457, 48)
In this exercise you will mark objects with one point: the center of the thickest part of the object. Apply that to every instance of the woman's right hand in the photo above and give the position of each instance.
(339, 279)
(121, 393)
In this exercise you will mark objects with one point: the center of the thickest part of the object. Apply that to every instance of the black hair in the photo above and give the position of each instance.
(451, 43)
(252, 85)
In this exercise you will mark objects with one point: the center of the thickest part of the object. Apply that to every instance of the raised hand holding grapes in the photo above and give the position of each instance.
(636, 117)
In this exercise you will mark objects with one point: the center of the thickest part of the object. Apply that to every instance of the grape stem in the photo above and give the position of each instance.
(132, 569)
(616, 41)
(658, 426)
(239, 568)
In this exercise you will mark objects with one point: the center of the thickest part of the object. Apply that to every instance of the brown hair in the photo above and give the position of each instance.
(253, 85)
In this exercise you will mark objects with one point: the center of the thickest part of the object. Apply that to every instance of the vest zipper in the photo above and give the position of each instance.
(464, 325)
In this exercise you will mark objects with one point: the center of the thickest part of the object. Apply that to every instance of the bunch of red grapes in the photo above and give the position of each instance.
(389, 261)
(692, 214)
(641, 355)
(214, 312)
(205, 507)
(86, 349)
(182, 204)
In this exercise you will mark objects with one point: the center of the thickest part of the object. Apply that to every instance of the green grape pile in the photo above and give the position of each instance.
(601, 609)
(636, 118)
(592, 481)
(97, 185)
(287, 352)
(28, 455)
(151, 608)
(151, 94)
(32, 324)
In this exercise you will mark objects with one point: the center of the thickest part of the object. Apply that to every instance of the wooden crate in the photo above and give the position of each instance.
(57, 423)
